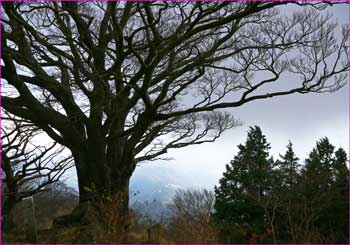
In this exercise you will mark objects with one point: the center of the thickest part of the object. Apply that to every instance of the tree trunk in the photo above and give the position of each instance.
(9, 194)
(9, 203)
(103, 191)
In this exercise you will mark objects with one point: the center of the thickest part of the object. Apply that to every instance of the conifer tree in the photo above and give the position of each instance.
(339, 210)
(286, 176)
(340, 170)
(325, 185)
(243, 188)
(317, 173)
(288, 167)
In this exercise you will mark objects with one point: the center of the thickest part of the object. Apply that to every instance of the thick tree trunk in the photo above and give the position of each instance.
(103, 191)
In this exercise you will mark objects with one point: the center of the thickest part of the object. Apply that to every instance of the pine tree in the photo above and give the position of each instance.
(340, 170)
(339, 210)
(319, 161)
(286, 174)
(243, 188)
(325, 185)
(288, 167)
(317, 172)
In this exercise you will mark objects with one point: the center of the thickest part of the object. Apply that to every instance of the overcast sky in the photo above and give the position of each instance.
(303, 119)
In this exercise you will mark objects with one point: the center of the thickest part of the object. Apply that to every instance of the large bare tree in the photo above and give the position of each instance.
(123, 82)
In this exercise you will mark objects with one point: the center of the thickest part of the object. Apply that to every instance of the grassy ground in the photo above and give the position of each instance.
(69, 235)
(57, 235)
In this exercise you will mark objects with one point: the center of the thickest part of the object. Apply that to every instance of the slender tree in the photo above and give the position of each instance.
(285, 190)
(123, 82)
(288, 167)
(27, 168)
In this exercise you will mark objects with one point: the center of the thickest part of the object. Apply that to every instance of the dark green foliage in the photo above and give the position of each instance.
(325, 184)
(287, 174)
(341, 197)
(243, 187)
(259, 200)
(288, 167)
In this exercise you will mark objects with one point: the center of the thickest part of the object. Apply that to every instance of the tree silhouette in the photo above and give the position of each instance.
(325, 190)
(244, 191)
(288, 167)
(123, 82)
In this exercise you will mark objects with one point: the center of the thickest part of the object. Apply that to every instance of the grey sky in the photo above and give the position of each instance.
(303, 119)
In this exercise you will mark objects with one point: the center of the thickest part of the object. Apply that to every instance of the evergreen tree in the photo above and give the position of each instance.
(320, 159)
(288, 167)
(325, 185)
(339, 210)
(340, 170)
(243, 188)
(317, 173)
(286, 178)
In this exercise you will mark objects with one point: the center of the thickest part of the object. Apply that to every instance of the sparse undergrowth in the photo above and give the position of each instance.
(73, 235)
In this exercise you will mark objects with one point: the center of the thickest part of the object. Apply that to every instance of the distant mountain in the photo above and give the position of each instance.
(155, 210)
(155, 182)
(152, 188)
(159, 181)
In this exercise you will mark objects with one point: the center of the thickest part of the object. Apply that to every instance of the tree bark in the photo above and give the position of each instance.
(9, 194)
(103, 183)
(9, 204)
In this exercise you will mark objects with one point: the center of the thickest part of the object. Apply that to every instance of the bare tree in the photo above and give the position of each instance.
(27, 167)
(191, 221)
(123, 82)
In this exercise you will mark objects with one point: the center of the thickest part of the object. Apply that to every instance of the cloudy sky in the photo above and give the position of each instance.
(302, 119)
